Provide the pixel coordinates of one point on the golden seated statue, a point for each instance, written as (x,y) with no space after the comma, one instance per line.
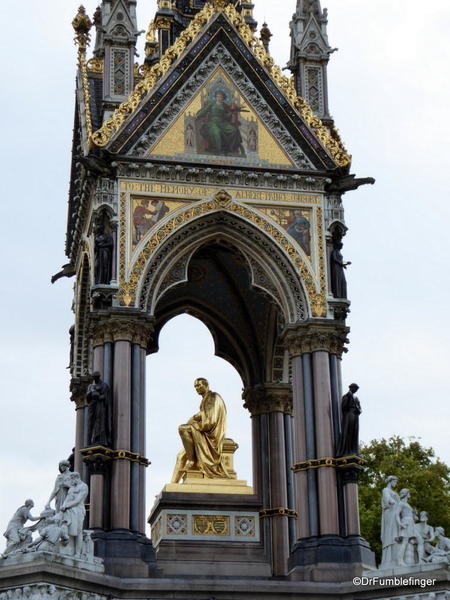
(205,464)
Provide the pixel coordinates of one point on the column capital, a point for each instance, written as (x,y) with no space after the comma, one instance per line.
(315,336)
(136,328)
(268,398)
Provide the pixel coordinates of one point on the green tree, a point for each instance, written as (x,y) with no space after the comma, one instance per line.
(417,469)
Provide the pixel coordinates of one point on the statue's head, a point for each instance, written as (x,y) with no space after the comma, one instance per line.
(29,503)
(75,478)
(439,531)
(96,375)
(392,479)
(404,493)
(64,465)
(201,385)
(424,516)
(354,387)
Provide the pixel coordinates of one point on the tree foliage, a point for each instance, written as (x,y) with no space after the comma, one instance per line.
(417,469)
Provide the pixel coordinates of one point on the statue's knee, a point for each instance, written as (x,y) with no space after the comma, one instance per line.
(184,429)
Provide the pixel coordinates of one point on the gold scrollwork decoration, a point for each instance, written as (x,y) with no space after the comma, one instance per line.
(95,65)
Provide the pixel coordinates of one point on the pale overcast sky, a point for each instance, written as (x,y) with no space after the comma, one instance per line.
(389,95)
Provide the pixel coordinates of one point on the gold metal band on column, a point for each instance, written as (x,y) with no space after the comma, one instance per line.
(339,463)
(131,456)
(277,512)
(101,452)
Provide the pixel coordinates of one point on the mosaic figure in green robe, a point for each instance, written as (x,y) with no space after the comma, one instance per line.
(220,126)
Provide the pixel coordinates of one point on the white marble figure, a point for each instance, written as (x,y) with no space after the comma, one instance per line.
(406,537)
(60,529)
(16,534)
(427,535)
(73,513)
(62,485)
(389,523)
(441,552)
(50,533)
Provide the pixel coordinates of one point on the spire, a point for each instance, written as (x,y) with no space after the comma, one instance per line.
(116,26)
(310,53)
(172,16)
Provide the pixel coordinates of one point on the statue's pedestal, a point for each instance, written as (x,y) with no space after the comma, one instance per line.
(195,482)
(208,534)
(28,559)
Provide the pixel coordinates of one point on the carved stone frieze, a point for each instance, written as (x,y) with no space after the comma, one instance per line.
(269,398)
(315,336)
(47,591)
(177,173)
(136,328)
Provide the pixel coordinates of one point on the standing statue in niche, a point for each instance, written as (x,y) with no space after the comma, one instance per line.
(351,409)
(203,436)
(103,247)
(337,268)
(98,398)
(389,524)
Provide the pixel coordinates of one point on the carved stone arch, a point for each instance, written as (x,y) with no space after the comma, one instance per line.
(337,228)
(270,270)
(103,215)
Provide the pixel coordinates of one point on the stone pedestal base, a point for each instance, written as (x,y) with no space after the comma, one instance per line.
(95,565)
(125,554)
(330,558)
(208,535)
(47,581)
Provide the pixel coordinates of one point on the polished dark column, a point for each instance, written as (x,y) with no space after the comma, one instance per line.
(270,405)
(328,545)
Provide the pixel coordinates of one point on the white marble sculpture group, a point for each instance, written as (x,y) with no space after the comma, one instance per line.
(407,538)
(60,529)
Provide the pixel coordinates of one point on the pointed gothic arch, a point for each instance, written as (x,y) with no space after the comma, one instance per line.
(230,275)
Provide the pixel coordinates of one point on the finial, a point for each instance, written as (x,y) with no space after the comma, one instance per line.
(82,26)
(264,35)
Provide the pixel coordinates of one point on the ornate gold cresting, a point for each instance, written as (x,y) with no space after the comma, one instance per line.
(82,26)
(329,139)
